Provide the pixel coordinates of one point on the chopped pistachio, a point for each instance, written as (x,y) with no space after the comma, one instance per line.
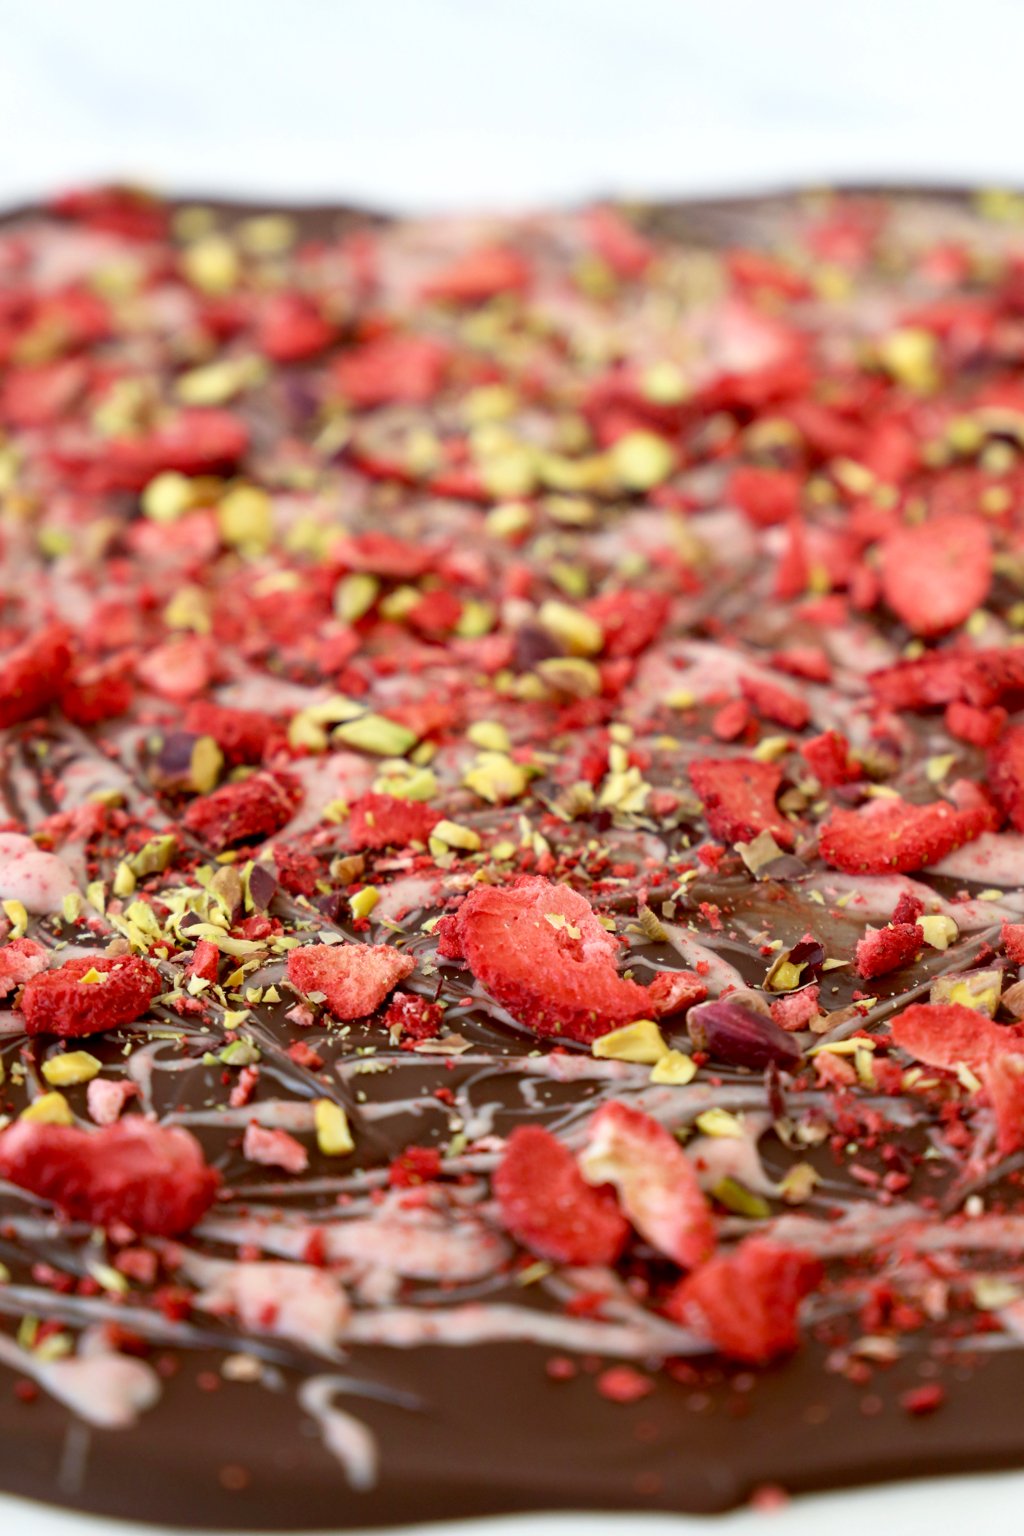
(376,734)
(641,1042)
(69,1068)
(572,675)
(364,901)
(333,1135)
(939,930)
(974,989)
(642,460)
(168,496)
(49,1109)
(17,916)
(496,778)
(245,518)
(719,1122)
(211,264)
(490,735)
(676,1068)
(740,1200)
(571,627)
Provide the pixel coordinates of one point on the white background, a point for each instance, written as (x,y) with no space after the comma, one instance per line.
(437,103)
(433,104)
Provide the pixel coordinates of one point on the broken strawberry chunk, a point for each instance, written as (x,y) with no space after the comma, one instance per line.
(774,703)
(479,275)
(978,727)
(274,1149)
(1003,1076)
(152,1178)
(86,996)
(384,821)
(655,1181)
(935,574)
(20,960)
(1006,774)
(243,735)
(828,758)
(542,953)
(747,1303)
(391,369)
(413,1018)
(547,1205)
(886,949)
(244,812)
(33,674)
(353,978)
(739,798)
(979,677)
(292,328)
(946,1034)
(631,619)
(97,691)
(890,834)
(765,496)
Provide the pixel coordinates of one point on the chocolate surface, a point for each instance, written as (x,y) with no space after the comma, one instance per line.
(232,1423)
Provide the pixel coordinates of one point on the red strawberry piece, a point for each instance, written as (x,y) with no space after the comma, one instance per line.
(655,1180)
(243,812)
(436,614)
(274,1149)
(730,722)
(205,961)
(193,442)
(414,1167)
(413,1017)
(97,691)
(541,952)
(32,675)
(1003,1077)
(807,661)
(381,554)
(1013,941)
(765,496)
(20,960)
(979,677)
(35,397)
(1006,774)
(384,821)
(390,370)
(885,949)
(60,1003)
(978,727)
(617,243)
(889,834)
(123,211)
(828,758)
(548,1206)
(935,574)
(739,798)
(179,669)
(908,909)
(673,992)
(476,276)
(795,1010)
(774,703)
(243,735)
(152,1178)
(354,978)
(945,1034)
(631,619)
(747,1303)
(292,328)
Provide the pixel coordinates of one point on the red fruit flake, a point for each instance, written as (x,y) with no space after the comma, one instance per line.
(548,1206)
(541,952)
(274,1149)
(414,1017)
(936,574)
(739,798)
(97,691)
(746,1303)
(1003,1077)
(978,727)
(384,821)
(890,834)
(885,949)
(1013,941)
(623,1384)
(945,1034)
(20,960)
(979,677)
(921,1400)
(415,1166)
(291,328)
(655,1181)
(354,978)
(151,1178)
(774,703)
(205,961)
(828,758)
(244,812)
(765,496)
(243,735)
(631,619)
(479,275)
(1006,774)
(33,674)
(60,1003)
(391,369)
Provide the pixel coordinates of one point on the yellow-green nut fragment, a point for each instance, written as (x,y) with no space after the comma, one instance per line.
(496,778)
(49,1109)
(489,735)
(212,264)
(364,901)
(355,595)
(641,1042)
(450,834)
(572,675)
(69,1068)
(376,734)
(642,460)
(674,1067)
(333,1136)
(571,627)
(167,497)
(939,931)
(245,518)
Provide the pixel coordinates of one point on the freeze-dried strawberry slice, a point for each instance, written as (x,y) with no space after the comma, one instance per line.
(655,1180)
(354,978)
(774,703)
(885,949)
(978,727)
(739,798)
(391,369)
(243,735)
(890,834)
(384,821)
(765,496)
(193,442)
(97,691)
(476,276)
(541,952)
(33,674)
(828,758)
(548,1206)
(152,1178)
(979,677)
(381,554)
(746,1303)
(1003,1077)
(1006,774)
(935,574)
(292,328)
(244,812)
(1013,941)
(20,960)
(945,1034)
(61,1002)
(630,619)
